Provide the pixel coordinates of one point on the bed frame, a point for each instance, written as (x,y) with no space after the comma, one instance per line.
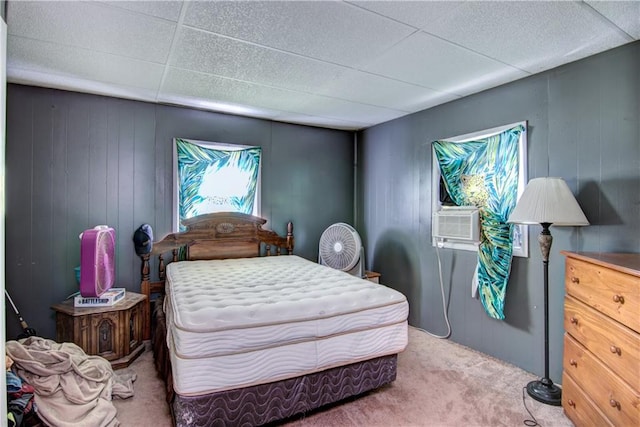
(220,235)
(235,235)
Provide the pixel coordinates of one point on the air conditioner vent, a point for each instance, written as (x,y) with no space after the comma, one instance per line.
(457,223)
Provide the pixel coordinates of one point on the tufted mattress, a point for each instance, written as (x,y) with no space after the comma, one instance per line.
(243,322)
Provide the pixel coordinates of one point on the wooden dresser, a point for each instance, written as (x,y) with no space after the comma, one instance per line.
(601,363)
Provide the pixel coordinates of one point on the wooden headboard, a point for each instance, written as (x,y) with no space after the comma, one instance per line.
(220,235)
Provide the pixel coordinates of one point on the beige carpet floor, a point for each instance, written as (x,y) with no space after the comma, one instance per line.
(440,383)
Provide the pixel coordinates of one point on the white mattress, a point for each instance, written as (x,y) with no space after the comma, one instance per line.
(292,315)
(193,377)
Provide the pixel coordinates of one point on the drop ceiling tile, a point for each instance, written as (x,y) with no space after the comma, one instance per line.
(86,65)
(92,26)
(625,14)
(332,31)
(166,9)
(323,106)
(475,83)
(418,14)
(266,102)
(209,53)
(219,106)
(333,63)
(204,86)
(530,35)
(357,86)
(321,121)
(434,63)
(75,84)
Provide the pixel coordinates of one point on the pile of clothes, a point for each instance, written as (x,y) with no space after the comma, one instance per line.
(20,398)
(63,385)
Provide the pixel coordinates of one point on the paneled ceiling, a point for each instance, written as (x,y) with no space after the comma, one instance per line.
(336,64)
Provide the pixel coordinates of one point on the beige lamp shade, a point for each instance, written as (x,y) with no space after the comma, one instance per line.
(548,200)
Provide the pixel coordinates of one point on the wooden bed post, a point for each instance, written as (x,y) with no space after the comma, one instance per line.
(160,267)
(145,290)
(144,271)
(290,238)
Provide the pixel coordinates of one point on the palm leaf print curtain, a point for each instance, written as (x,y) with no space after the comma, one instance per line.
(215,180)
(484,173)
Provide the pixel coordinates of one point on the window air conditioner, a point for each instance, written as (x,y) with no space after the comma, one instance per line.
(460,223)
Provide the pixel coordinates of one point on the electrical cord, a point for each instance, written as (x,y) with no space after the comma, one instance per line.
(444,302)
(528,422)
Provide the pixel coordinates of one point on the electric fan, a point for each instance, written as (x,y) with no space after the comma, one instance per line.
(341,248)
(97,260)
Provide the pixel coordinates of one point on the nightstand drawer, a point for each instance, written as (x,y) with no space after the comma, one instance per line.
(614,293)
(614,397)
(578,407)
(615,345)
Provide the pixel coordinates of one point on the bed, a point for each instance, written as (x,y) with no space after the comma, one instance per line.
(244,332)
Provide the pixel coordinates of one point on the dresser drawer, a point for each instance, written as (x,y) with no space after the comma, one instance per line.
(614,397)
(614,293)
(578,407)
(615,345)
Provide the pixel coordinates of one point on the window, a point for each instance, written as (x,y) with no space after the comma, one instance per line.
(214,177)
(440,196)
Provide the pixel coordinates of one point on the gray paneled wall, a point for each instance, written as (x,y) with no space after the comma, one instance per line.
(583,126)
(77,160)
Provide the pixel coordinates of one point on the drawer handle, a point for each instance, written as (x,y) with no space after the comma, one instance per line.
(574,320)
(575,279)
(618,298)
(573,362)
(614,403)
(571,403)
(615,350)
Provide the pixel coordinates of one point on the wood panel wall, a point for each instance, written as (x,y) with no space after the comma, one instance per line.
(583,126)
(76,160)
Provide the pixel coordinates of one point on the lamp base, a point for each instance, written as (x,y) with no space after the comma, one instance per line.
(545,391)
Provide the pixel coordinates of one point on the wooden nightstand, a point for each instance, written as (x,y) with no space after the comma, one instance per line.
(372,276)
(114,333)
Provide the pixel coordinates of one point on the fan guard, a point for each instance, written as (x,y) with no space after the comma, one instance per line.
(97,254)
(340,246)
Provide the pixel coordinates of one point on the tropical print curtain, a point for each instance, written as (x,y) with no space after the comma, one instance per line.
(484,173)
(215,180)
